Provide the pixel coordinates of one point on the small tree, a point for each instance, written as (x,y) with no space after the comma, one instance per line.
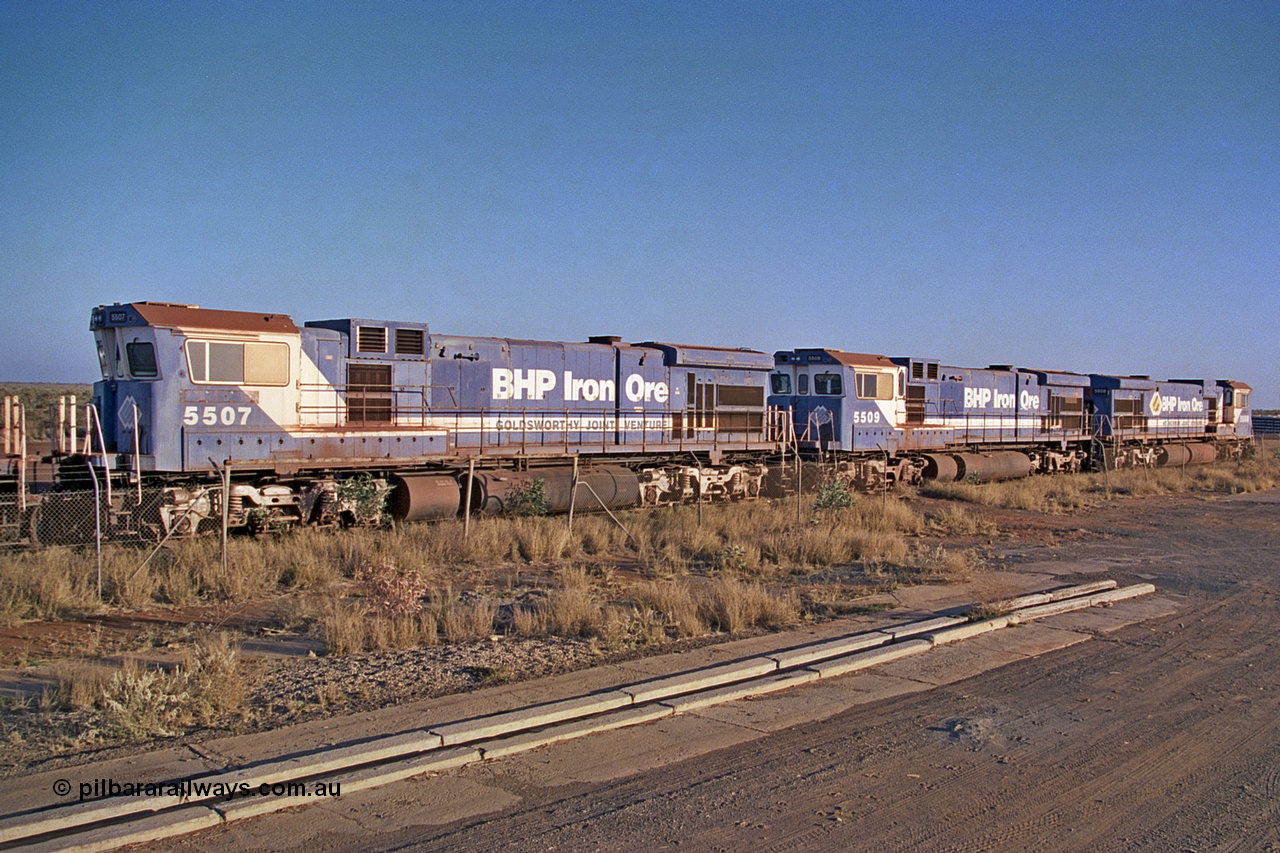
(529,501)
(392,591)
(833,495)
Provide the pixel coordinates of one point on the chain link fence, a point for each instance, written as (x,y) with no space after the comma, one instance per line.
(88,517)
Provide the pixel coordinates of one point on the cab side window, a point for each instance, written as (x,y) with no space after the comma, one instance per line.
(828,384)
(874,386)
(142,360)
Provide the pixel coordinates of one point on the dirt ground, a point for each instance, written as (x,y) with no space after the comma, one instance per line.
(289,678)
(1163,736)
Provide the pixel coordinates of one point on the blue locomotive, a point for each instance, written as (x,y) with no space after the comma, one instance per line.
(883,420)
(292,410)
(453,424)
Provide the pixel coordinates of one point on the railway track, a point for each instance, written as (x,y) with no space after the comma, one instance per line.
(109,822)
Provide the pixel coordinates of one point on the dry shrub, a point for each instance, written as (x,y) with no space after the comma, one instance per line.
(391,591)
(955,519)
(204,689)
(139,703)
(460,620)
(528,620)
(80,683)
(675,603)
(731,605)
(572,613)
(348,627)
(213,679)
(629,627)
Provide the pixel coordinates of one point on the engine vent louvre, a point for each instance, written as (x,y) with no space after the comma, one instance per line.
(371,339)
(410,342)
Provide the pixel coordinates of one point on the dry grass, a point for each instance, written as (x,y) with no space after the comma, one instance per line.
(1055,494)
(730,605)
(953,518)
(351,627)
(1069,492)
(674,604)
(462,619)
(759,538)
(758,541)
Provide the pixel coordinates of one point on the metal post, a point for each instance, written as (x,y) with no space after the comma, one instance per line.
(71,424)
(884,486)
(61,426)
(137,453)
(226,510)
(573,492)
(8,425)
(699,470)
(466,506)
(22,455)
(799,485)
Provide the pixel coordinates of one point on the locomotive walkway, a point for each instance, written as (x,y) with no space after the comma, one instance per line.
(47,812)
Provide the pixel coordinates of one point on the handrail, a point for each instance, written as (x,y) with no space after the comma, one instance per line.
(91,411)
(137,452)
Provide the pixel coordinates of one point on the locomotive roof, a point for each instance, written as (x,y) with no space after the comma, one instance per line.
(1058,377)
(1127,383)
(195,317)
(849,359)
(682,354)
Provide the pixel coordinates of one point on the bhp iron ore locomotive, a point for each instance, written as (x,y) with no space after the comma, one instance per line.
(462,424)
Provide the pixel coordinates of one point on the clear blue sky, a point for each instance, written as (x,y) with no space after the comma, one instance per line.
(1082,186)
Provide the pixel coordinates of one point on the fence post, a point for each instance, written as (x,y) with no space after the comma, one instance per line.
(573,492)
(22,457)
(60,428)
(466,507)
(226,510)
(137,452)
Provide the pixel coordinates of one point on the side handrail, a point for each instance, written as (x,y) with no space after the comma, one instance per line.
(91,413)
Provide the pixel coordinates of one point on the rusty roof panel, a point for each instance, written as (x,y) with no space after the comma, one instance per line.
(189,316)
(861,359)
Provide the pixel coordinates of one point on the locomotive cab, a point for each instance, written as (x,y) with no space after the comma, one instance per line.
(1237,416)
(216,374)
(841,401)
